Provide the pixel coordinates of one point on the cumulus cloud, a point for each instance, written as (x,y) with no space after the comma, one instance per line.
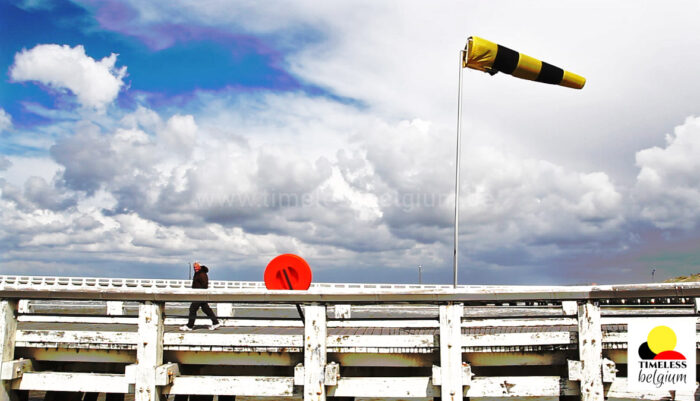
(5,120)
(668,186)
(95,83)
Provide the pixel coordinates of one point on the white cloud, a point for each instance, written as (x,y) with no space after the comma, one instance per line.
(5,120)
(95,83)
(668,185)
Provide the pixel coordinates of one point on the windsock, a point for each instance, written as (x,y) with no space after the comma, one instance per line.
(490,57)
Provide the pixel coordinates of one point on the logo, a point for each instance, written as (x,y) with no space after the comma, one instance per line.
(661,353)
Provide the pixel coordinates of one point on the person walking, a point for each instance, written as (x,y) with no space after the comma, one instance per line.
(200,280)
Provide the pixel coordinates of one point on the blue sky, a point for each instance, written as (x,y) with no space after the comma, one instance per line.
(140,136)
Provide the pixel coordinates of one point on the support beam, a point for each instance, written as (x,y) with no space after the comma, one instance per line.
(342,311)
(224,309)
(23,306)
(590,345)
(149,351)
(315,333)
(451,378)
(115,308)
(8,328)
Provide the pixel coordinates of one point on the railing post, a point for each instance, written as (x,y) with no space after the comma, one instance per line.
(149,351)
(115,308)
(315,333)
(451,351)
(590,348)
(8,328)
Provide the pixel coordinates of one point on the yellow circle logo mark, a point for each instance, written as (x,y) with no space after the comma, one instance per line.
(661,338)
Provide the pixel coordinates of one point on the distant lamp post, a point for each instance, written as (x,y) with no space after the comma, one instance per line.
(420,274)
(482,55)
(652,274)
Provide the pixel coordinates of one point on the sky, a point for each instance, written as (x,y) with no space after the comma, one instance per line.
(137,137)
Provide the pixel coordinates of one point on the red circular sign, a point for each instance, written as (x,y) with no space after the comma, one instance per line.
(288,272)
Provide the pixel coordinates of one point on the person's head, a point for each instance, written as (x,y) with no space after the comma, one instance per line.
(197,266)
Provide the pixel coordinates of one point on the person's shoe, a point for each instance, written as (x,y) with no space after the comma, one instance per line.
(214,326)
(185,328)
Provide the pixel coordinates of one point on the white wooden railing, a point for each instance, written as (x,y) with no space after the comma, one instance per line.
(419,343)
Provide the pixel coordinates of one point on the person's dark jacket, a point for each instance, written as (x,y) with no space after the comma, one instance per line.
(200,279)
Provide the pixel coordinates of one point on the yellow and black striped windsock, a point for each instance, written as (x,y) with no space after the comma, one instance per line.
(490,57)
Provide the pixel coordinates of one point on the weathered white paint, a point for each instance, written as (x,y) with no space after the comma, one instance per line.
(257,386)
(8,329)
(514,399)
(590,345)
(385,323)
(569,307)
(78,319)
(451,351)
(233,340)
(248,398)
(342,311)
(331,374)
(14,369)
(396,387)
(224,309)
(166,373)
(554,321)
(697,305)
(609,371)
(149,351)
(69,381)
(513,339)
(315,333)
(382,341)
(520,386)
(77,337)
(115,308)
(23,306)
(394,399)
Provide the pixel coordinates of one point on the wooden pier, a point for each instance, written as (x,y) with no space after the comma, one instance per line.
(80,338)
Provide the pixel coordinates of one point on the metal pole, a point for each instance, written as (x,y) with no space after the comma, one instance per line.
(459,151)
(420,277)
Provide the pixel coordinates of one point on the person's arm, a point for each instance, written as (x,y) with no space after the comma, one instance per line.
(205,280)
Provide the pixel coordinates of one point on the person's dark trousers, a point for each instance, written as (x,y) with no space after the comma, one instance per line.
(205,308)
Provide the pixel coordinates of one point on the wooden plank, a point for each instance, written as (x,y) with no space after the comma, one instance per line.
(382,341)
(590,352)
(520,386)
(78,319)
(233,340)
(514,399)
(517,322)
(224,309)
(451,351)
(149,352)
(8,329)
(315,333)
(115,308)
(373,387)
(514,339)
(71,381)
(252,386)
(69,336)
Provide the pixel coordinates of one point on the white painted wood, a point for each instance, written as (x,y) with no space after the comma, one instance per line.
(385,323)
(466,374)
(13,369)
(575,370)
(451,351)
(380,387)
(609,371)
(233,340)
(619,390)
(569,307)
(514,399)
(81,337)
(315,333)
(513,339)
(342,311)
(555,321)
(331,374)
(252,386)
(115,308)
(77,319)
(248,398)
(149,351)
(590,352)
(299,374)
(224,309)
(520,386)
(697,305)
(69,381)
(23,306)
(382,341)
(394,399)
(166,373)
(8,329)
(437,376)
